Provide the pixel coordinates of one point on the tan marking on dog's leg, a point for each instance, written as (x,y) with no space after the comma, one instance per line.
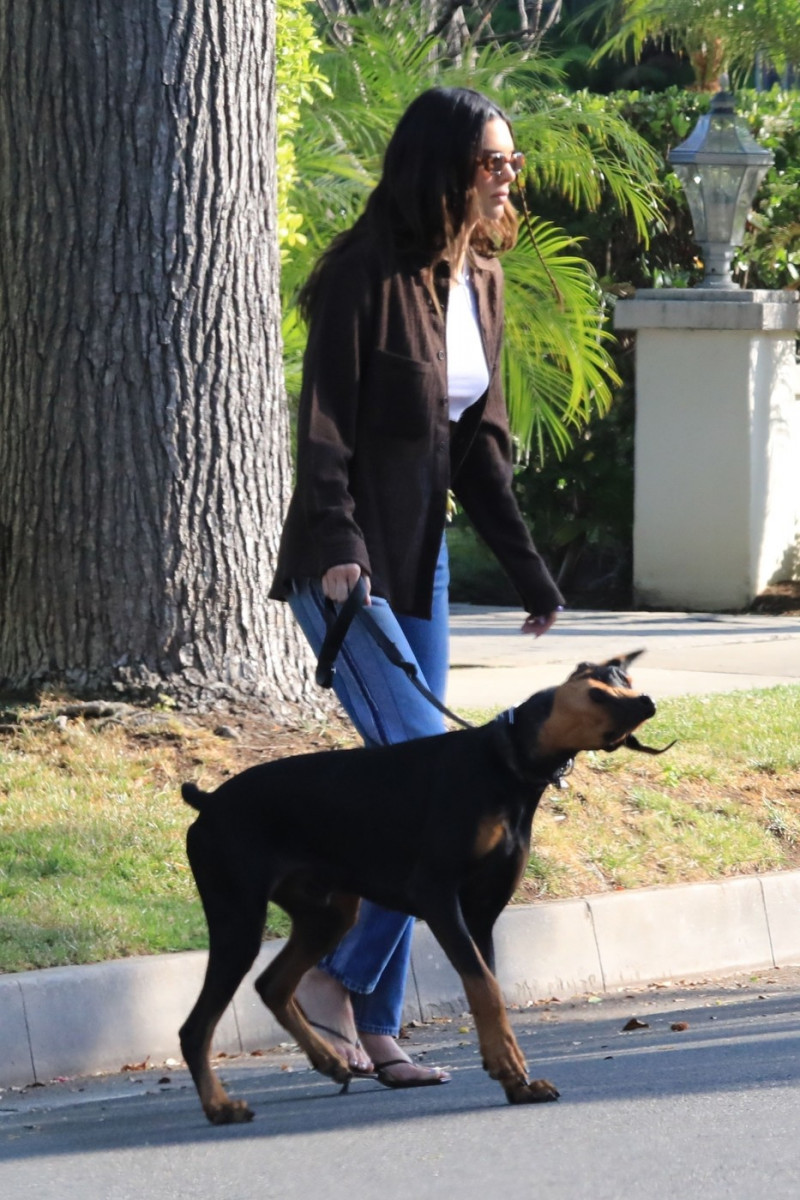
(312,937)
(196,1037)
(501,1054)
(219,1108)
(502,1057)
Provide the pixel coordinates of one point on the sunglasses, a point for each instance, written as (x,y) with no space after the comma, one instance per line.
(493,162)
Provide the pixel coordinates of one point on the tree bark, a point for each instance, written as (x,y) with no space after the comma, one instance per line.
(144,460)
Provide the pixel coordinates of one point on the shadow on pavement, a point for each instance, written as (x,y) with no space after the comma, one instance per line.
(731,1042)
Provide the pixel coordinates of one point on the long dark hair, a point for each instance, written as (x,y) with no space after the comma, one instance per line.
(421,202)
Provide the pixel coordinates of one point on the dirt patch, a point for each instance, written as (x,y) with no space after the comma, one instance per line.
(224,742)
(779,600)
(257,738)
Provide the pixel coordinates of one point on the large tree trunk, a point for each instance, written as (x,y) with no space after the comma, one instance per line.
(144,462)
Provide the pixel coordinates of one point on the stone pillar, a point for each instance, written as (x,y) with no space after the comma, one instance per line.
(717,448)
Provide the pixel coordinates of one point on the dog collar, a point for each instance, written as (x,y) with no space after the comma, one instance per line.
(556,777)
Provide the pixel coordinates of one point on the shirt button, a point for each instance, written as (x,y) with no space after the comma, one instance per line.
(440,354)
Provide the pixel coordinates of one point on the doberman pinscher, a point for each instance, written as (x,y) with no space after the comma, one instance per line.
(310,833)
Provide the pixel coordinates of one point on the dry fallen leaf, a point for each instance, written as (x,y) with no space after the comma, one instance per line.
(679,1026)
(634,1023)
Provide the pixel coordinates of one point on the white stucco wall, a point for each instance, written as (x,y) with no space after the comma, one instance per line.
(717,451)
(775,464)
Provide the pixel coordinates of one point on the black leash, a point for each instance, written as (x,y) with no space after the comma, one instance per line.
(338,625)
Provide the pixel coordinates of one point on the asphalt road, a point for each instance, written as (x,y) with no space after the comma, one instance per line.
(656,1112)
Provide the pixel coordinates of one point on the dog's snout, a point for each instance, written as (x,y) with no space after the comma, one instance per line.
(648,706)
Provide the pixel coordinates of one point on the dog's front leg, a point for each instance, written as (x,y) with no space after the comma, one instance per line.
(502,1057)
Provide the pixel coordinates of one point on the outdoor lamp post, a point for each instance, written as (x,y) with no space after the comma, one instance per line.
(720,167)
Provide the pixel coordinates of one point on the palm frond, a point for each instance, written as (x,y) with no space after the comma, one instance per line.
(742,30)
(557,368)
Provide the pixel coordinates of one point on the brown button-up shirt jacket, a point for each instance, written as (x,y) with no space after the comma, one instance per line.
(377,452)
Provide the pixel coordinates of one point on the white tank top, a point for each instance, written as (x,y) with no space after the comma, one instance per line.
(467,370)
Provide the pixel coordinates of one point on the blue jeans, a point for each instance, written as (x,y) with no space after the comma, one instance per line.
(372,960)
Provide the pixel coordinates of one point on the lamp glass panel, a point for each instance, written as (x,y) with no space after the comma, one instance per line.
(747,189)
(692,184)
(723,136)
(721,190)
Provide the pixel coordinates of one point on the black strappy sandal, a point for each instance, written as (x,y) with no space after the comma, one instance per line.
(361,1072)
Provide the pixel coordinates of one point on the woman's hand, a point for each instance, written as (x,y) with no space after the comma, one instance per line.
(338,582)
(539,625)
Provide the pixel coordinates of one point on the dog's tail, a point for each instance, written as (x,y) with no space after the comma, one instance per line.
(193,795)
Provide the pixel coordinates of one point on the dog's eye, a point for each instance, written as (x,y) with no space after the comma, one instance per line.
(599,695)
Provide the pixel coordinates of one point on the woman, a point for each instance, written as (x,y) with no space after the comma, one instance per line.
(401,401)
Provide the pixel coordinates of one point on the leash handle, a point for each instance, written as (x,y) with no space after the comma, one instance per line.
(338,625)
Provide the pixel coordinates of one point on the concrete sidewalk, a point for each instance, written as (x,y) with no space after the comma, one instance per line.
(494,666)
(77,1020)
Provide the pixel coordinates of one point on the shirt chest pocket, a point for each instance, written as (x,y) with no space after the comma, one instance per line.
(399,395)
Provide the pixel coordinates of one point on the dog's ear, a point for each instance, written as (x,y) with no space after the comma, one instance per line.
(624,660)
(620,663)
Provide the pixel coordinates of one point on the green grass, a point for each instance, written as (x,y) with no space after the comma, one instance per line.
(92,827)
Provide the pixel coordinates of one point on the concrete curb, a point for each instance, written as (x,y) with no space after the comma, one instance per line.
(80,1020)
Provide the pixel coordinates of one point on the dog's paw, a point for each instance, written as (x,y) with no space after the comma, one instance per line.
(537,1091)
(233,1112)
(334,1067)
